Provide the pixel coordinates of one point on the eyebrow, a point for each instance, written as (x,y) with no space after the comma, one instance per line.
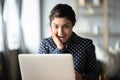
(62,25)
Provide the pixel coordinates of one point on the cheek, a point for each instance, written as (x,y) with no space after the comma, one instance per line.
(68,31)
(54,30)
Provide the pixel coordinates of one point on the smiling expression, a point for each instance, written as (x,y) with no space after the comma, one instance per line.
(62,28)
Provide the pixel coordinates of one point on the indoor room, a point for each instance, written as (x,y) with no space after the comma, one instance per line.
(25,23)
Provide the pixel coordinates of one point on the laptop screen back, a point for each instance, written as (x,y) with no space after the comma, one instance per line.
(46,66)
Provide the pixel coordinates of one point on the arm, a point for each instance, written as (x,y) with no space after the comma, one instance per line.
(78,76)
(43,47)
(46,46)
(92,73)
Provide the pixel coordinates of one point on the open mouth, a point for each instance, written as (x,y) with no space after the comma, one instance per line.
(61,37)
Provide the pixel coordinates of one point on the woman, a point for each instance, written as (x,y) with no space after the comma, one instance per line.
(64,40)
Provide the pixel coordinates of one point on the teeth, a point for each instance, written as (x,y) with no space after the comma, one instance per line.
(61,37)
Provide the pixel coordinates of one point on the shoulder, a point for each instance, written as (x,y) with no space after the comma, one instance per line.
(78,39)
(47,40)
(84,40)
(87,44)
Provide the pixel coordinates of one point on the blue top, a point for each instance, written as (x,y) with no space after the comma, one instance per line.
(82,50)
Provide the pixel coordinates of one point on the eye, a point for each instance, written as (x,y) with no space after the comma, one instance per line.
(55,26)
(66,26)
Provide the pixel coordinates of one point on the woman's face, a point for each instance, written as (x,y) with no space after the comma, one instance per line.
(62,28)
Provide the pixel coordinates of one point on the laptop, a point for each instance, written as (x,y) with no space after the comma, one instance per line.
(46,66)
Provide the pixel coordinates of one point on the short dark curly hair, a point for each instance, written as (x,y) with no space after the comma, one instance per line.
(63,10)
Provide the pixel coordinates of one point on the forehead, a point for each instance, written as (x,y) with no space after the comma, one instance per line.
(62,20)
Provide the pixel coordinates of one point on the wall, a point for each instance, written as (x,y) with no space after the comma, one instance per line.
(114,21)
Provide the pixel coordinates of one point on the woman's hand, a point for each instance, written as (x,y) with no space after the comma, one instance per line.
(78,76)
(58,43)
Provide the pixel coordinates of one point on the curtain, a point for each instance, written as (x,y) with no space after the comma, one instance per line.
(19,33)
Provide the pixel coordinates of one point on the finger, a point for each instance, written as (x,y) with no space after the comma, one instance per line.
(78,76)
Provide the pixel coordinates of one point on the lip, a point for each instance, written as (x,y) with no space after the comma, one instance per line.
(62,38)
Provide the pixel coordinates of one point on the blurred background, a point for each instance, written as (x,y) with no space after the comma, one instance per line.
(24,23)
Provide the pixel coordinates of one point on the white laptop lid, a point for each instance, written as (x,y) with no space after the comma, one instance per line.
(46,66)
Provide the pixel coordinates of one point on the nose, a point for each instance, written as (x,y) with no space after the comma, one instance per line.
(60,32)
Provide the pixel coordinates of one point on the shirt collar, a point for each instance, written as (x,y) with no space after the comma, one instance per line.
(73,37)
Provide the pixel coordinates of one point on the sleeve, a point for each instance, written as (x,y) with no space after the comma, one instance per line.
(92,73)
(59,51)
(43,47)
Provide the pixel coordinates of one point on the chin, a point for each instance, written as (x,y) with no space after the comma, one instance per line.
(64,41)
